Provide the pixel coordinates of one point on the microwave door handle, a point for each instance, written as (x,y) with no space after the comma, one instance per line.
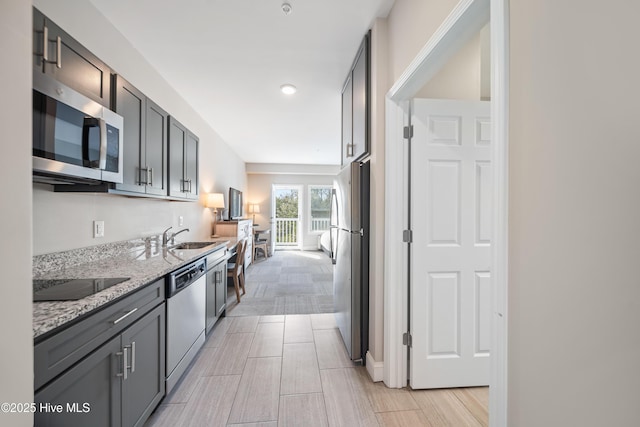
(103,145)
(88,161)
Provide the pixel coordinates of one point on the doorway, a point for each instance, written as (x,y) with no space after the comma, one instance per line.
(287,207)
(467,17)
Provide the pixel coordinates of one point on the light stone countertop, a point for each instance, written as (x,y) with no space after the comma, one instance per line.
(144,264)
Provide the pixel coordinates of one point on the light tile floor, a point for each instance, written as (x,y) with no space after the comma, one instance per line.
(271,363)
(293,371)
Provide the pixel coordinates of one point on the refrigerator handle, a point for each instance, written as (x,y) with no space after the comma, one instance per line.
(334,202)
(332,226)
(334,254)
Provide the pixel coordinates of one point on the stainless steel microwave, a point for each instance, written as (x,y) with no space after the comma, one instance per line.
(75,139)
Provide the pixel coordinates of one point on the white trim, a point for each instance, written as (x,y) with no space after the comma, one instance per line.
(498,400)
(375,369)
(468,15)
(395,251)
(464,22)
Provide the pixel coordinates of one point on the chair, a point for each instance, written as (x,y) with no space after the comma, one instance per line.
(259,244)
(236,269)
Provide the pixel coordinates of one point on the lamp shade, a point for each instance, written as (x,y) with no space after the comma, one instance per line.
(254,208)
(215,200)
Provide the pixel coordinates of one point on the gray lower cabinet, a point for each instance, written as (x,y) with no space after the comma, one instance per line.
(144,386)
(114,383)
(144,139)
(216,287)
(183,162)
(92,381)
(59,55)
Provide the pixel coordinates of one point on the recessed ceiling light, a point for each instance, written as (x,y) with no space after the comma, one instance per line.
(288,89)
(286,8)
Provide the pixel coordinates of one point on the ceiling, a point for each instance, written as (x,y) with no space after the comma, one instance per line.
(228,59)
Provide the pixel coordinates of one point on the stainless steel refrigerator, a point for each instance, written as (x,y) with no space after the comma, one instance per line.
(350,255)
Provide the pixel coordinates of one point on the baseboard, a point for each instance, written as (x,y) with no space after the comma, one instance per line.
(375,369)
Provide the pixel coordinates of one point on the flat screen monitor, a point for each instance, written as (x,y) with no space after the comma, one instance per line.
(235,203)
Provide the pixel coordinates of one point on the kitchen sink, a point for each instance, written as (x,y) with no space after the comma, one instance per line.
(192,245)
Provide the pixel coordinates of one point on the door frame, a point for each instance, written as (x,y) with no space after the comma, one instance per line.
(274,221)
(466,19)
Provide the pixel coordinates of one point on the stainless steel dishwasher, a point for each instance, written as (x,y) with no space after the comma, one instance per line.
(186,297)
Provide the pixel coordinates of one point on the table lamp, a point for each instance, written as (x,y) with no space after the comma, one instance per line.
(254,209)
(215,201)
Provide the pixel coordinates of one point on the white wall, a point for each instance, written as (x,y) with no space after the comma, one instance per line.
(411,23)
(574,293)
(64,221)
(259,191)
(16,357)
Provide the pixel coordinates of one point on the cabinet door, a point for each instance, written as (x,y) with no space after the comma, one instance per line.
(130,104)
(38,41)
(347,122)
(191,166)
(360,103)
(177,142)
(73,65)
(211,312)
(156,148)
(221,288)
(145,384)
(89,393)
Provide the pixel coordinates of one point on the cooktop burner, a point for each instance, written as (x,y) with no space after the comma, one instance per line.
(71,289)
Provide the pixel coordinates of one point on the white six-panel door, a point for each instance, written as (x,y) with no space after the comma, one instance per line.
(451,202)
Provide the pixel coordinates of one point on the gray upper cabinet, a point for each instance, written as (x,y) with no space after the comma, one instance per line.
(355,107)
(347,122)
(58,54)
(156,148)
(183,162)
(144,139)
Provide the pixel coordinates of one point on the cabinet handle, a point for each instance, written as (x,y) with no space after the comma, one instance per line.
(151,178)
(124,355)
(146,174)
(120,319)
(45,51)
(59,52)
(189,181)
(133,357)
(350,150)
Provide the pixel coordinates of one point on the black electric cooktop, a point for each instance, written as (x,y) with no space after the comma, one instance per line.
(71,289)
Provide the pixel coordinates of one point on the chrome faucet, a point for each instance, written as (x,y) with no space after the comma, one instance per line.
(166,237)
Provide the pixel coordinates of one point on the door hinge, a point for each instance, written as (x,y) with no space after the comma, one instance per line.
(408,132)
(407,236)
(406,339)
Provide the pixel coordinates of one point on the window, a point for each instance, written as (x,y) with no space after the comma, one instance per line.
(320,208)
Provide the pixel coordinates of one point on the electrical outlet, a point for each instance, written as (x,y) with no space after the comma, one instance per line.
(98,229)
(180,221)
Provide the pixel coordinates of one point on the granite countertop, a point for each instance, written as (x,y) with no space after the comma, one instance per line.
(143,261)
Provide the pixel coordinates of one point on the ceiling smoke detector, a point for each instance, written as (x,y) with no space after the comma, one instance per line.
(286,8)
